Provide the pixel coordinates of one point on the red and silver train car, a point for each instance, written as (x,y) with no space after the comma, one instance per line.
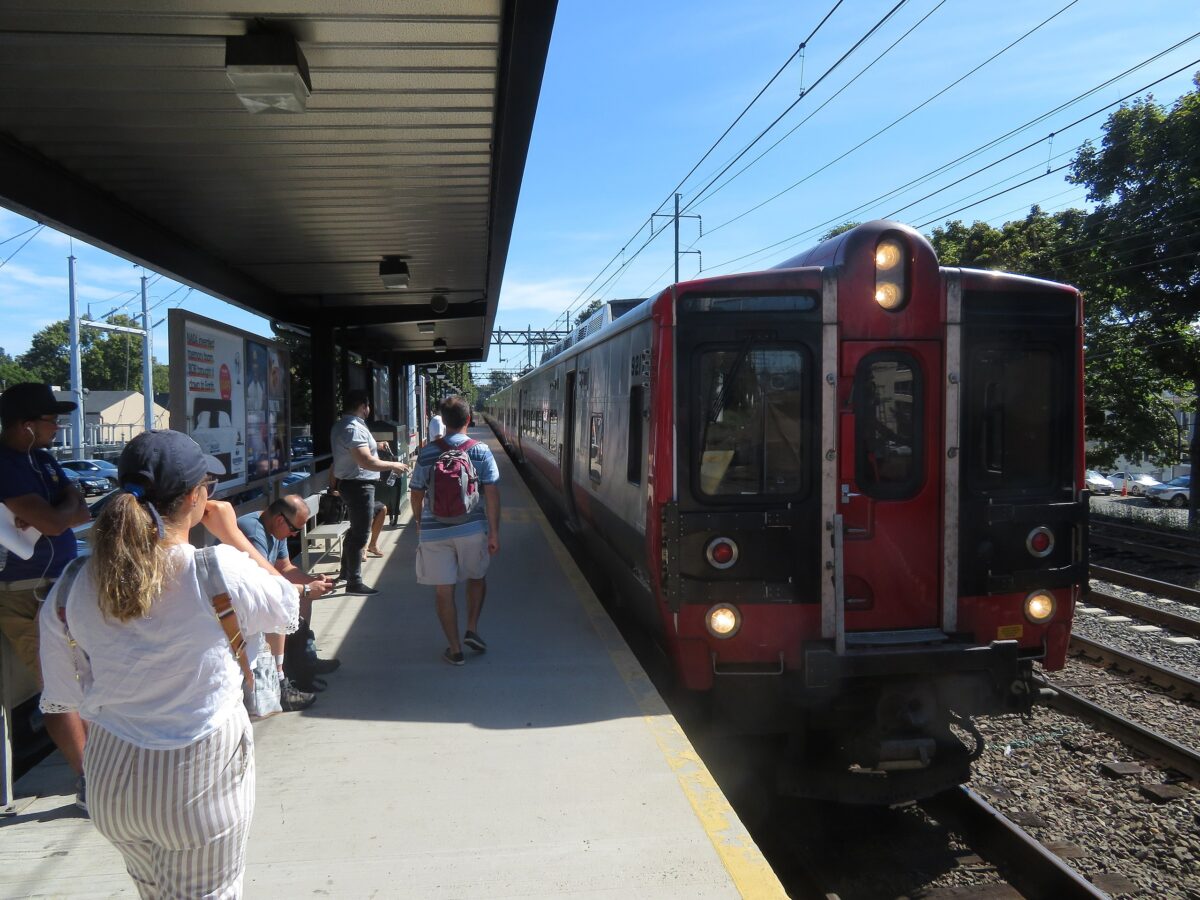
(844,493)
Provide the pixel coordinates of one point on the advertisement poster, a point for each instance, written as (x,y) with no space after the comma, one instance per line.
(277,411)
(258,447)
(215,397)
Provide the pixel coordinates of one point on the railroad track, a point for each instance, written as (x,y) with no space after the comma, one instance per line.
(1173,547)
(1178,684)
(1029,866)
(1168,753)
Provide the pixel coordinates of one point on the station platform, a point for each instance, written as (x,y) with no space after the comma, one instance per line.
(547,767)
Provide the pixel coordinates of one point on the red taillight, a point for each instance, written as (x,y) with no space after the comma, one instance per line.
(722,553)
(1040,542)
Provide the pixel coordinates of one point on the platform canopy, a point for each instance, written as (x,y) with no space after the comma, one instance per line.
(128,124)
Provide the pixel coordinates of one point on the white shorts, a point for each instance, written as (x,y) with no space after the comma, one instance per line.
(451,560)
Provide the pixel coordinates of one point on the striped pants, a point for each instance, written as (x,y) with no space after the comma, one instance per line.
(179,817)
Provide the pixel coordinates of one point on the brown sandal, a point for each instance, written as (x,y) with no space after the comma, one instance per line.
(374,553)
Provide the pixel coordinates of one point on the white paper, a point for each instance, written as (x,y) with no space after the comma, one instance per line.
(17,540)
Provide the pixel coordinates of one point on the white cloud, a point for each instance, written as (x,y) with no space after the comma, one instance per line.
(551,296)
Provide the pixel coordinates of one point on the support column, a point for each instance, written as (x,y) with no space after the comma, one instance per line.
(324,377)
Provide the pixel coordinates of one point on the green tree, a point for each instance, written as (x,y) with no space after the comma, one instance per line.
(583,314)
(12,372)
(110,361)
(1144,178)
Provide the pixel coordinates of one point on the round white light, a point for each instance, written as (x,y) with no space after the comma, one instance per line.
(888,295)
(723,620)
(1039,606)
(887,255)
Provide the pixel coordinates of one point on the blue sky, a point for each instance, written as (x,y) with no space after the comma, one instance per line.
(635,93)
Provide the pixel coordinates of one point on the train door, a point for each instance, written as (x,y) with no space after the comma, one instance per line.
(889,484)
(567,447)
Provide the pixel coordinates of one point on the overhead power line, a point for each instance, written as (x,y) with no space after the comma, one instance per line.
(566,313)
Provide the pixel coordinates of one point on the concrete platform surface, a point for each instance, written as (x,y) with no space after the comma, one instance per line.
(547,767)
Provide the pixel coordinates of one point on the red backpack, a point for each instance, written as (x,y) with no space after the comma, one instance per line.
(453,485)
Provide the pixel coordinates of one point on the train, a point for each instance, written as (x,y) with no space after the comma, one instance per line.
(843,494)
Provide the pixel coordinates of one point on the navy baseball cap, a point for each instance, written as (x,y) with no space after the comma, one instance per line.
(170,462)
(30,400)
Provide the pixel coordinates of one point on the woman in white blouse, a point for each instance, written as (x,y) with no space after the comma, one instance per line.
(136,647)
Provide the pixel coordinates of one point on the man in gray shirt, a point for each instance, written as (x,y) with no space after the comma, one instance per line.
(356,466)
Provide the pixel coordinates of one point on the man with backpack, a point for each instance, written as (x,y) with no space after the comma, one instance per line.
(454,485)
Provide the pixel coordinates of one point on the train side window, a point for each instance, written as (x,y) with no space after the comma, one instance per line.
(889,413)
(633,467)
(553,439)
(596,454)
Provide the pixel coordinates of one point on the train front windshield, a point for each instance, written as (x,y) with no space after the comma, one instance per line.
(750,414)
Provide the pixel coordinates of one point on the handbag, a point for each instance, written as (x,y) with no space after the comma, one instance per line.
(331,509)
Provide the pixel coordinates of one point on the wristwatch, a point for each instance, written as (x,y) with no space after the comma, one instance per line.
(304,592)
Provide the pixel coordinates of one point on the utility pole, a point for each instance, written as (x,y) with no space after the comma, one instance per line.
(675,219)
(147,361)
(77,441)
(676,281)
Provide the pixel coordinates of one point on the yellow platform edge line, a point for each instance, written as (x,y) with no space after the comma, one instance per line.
(747,867)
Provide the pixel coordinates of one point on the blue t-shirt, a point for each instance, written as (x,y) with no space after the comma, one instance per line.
(37,472)
(485,468)
(271,547)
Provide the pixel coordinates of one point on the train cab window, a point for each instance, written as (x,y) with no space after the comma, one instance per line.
(888,416)
(596,453)
(1012,414)
(751,414)
(633,466)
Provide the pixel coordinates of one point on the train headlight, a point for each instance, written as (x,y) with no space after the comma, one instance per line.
(887,255)
(721,553)
(1040,542)
(891,274)
(723,620)
(1039,607)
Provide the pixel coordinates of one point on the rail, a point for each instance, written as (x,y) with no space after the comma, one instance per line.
(1031,868)
(1180,684)
(1167,752)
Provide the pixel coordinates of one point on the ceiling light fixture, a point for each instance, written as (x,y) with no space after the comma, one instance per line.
(425,327)
(439,345)
(268,71)
(393,271)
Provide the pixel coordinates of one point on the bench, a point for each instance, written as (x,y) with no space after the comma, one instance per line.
(329,536)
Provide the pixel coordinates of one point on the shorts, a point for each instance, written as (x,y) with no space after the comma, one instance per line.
(451,560)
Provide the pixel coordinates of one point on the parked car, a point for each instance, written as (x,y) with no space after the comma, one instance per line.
(92,467)
(1097,483)
(1133,484)
(1175,493)
(89,483)
(302,447)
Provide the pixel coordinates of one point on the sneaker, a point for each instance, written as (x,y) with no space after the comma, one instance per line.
(292,699)
(357,587)
(455,659)
(475,642)
(316,665)
(308,683)
(81,794)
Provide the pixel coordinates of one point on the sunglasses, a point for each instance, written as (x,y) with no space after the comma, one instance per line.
(292,528)
(52,420)
(209,484)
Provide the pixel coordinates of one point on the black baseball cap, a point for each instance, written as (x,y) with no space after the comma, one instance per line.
(30,400)
(169,461)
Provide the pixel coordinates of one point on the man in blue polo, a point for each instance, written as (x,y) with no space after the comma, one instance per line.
(40,497)
(450,553)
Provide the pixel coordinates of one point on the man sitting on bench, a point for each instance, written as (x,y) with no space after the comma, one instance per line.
(295,654)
